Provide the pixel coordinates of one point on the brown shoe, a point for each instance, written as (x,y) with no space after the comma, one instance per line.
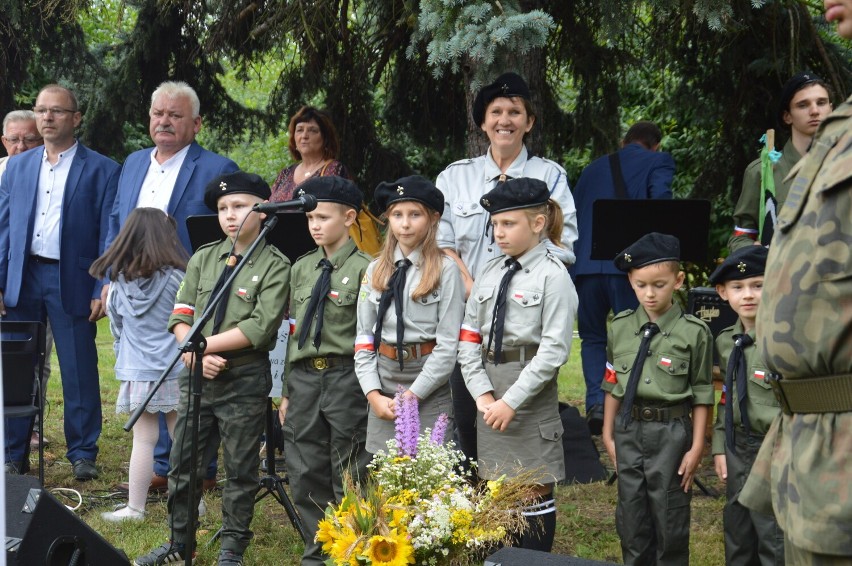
(208,485)
(159,484)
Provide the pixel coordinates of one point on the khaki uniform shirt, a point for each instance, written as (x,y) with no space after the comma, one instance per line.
(257,296)
(805,328)
(679,366)
(747,211)
(541,305)
(437,316)
(338,327)
(761,404)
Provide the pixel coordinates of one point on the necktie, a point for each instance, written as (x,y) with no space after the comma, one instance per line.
(498,318)
(649,329)
(230,263)
(395,290)
(736,367)
(316,306)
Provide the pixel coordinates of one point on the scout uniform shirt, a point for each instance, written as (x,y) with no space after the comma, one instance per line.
(338,326)
(463,223)
(257,296)
(678,369)
(761,405)
(804,326)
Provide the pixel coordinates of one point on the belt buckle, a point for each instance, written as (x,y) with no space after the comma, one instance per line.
(406,352)
(319,363)
(227,366)
(646,414)
(489,356)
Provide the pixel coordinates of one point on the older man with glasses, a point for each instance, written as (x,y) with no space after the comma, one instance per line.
(19,134)
(54,215)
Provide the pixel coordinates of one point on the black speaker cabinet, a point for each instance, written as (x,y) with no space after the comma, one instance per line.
(53,535)
(706,304)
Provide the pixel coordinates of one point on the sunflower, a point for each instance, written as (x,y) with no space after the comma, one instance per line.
(391,550)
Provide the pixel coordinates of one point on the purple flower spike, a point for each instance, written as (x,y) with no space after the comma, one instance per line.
(439,430)
(407,424)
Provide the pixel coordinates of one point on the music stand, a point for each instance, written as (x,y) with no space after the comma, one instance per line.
(291,236)
(617,223)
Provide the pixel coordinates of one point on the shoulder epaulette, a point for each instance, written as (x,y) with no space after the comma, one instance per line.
(365,255)
(275,251)
(208,245)
(624,313)
(461,162)
(695,320)
(306,254)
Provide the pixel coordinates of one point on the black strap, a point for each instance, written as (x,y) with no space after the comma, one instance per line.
(649,329)
(736,367)
(396,293)
(617,176)
(498,317)
(316,306)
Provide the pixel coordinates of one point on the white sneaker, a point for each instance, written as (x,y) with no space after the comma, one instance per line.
(126,513)
(202,508)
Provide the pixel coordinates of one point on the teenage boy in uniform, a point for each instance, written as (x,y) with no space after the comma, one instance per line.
(745,411)
(658,371)
(325,410)
(235,365)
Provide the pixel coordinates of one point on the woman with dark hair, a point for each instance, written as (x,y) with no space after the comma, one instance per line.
(315,146)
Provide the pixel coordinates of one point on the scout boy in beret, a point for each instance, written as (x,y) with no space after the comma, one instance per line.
(745,411)
(658,393)
(235,365)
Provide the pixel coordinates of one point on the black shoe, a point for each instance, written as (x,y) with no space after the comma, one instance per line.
(166,553)
(85,470)
(230,558)
(17,468)
(594,418)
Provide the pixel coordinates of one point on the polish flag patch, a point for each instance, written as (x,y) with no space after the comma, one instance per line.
(758,374)
(518,295)
(292,322)
(241,292)
(334,294)
(665,361)
(609,374)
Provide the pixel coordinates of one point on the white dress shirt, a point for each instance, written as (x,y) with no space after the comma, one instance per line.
(160,180)
(48,213)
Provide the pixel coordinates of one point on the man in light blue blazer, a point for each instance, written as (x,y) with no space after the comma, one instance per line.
(170,176)
(54,216)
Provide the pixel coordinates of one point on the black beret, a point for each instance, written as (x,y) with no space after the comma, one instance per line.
(650,248)
(233,183)
(415,187)
(333,189)
(792,86)
(522,192)
(507,85)
(749,261)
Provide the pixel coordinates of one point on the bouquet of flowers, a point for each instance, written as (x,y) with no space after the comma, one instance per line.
(419,507)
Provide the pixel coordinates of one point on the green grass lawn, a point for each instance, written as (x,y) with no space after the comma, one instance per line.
(586,519)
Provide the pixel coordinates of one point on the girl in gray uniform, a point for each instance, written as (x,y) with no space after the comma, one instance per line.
(410,308)
(515,337)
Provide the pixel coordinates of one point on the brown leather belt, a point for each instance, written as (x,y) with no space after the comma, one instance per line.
(409,351)
(522,354)
(323,363)
(827,394)
(245,359)
(660,414)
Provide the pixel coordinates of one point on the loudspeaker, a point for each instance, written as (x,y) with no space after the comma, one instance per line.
(510,556)
(706,304)
(54,536)
(582,460)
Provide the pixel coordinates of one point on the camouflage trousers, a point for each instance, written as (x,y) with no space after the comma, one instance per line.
(796,556)
(233,409)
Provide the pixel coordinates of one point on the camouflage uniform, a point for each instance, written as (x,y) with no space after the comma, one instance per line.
(804,468)
(751,537)
(652,517)
(747,211)
(233,405)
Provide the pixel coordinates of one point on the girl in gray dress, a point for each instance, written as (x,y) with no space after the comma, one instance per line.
(515,337)
(410,308)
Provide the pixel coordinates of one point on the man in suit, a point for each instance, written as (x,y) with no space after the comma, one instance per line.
(645,173)
(170,176)
(54,215)
(19,134)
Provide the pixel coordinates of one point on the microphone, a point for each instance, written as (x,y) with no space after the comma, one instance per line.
(305,202)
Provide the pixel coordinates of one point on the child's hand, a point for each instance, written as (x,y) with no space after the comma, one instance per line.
(382,407)
(688,466)
(609,444)
(721,464)
(282,409)
(484,401)
(212,365)
(499,415)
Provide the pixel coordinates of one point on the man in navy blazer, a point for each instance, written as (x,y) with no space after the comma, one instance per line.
(170,176)
(647,174)
(54,216)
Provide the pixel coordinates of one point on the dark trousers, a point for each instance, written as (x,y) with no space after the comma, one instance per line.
(464,412)
(598,295)
(751,538)
(74,338)
(164,448)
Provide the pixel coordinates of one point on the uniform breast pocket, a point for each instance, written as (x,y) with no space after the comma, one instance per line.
(671,373)
(242,301)
(759,389)
(425,309)
(526,306)
(622,364)
(466,209)
(340,308)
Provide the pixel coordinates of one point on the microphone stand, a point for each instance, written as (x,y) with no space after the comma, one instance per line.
(195,343)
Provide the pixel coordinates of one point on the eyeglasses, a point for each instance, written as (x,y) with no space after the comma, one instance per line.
(26,141)
(56,111)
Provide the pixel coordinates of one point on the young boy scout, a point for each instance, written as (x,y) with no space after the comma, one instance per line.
(235,365)
(658,370)
(745,412)
(326,413)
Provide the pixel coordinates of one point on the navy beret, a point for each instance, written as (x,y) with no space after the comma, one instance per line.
(791,87)
(508,85)
(650,248)
(413,188)
(749,261)
(522,192)
(333,189)
(233,183)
